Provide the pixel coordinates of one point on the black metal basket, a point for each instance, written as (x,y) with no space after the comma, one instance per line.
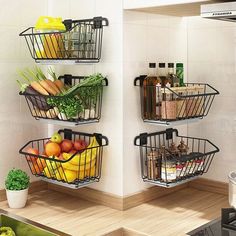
(80,169)
(165,164)
(165,105)
(81,42)
(90,106)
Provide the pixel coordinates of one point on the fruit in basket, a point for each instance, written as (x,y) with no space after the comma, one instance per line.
(52,149)
(34,151)
(66,145)
(91,172)
(51,167)
(59,174)
(38,166)
(80,144)
(69,166)
(56,138)
(71,176)
(86,156)
(73,151)
(6,231)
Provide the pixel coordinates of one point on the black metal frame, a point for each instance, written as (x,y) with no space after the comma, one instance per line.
(164,105)
(87,172)
(86,47)
(193,163)
(40,109)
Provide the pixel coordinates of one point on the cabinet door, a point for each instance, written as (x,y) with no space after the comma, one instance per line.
(134,4)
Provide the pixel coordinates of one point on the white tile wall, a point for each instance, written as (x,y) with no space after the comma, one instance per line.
(16,125)
(211,59)
(147,38)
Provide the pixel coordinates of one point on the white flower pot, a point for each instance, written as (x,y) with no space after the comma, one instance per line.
(17,198)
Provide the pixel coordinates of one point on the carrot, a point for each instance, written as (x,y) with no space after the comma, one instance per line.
(50,83)
(59,84)
(39,88)
(47,87)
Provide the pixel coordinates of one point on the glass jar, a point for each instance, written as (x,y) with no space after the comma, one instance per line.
(183,148)
(153,165)
(168,166)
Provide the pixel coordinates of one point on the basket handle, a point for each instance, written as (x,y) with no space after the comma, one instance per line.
(100,138)
(143,139)
(105,82)
(140,79)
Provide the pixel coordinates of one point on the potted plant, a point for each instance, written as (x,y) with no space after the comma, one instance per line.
(17,185)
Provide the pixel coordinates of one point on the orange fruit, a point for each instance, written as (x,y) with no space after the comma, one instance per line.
(52,149)
(41,163)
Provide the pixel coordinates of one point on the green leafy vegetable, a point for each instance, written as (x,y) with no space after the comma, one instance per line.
(70,106)
(17,180)
(92,80)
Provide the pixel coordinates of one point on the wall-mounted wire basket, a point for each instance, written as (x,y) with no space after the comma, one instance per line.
(81,42)
(168,159)
(80,169)
(165,105)
(56,109)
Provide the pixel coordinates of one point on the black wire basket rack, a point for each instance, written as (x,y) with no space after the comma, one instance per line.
(168,159)
(166,105)
(57,109)
(81,42)
(75,169)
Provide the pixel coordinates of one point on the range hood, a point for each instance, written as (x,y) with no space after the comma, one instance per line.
(219,11)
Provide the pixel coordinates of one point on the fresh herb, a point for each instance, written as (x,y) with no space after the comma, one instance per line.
(92,80)
(17,180)
(70,106)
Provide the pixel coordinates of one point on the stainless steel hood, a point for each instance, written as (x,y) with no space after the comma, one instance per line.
(219,11)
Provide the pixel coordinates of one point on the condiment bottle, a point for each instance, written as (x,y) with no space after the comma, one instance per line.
(153,165)
(149,93)
(170,76)
(183,148)
(180,73)
(174,150)
(168,167)
(162,73)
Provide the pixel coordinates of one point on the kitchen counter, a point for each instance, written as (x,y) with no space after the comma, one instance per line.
(172,215)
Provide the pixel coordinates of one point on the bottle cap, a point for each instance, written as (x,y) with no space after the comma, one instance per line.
(162,65)
(152,65)
(179,65)
(170,65)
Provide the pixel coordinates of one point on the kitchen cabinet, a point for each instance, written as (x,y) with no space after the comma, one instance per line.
(167,7)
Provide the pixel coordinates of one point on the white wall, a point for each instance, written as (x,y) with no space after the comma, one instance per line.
(212,59)
(16,125)
(147,38)
(111,66)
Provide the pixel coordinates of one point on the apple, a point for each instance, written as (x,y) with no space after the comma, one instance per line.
(56,138)
(73,151)
(79,144)
(34,151)
(66,145)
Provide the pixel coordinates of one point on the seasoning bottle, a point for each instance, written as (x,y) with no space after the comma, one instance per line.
(183,148)
(153,165)
(170,75)
(168,166)
(173,150)
(149,93)
(162,73)
(168,105)
(180,73)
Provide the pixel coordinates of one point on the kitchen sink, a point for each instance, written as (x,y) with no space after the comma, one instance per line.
(24,227)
